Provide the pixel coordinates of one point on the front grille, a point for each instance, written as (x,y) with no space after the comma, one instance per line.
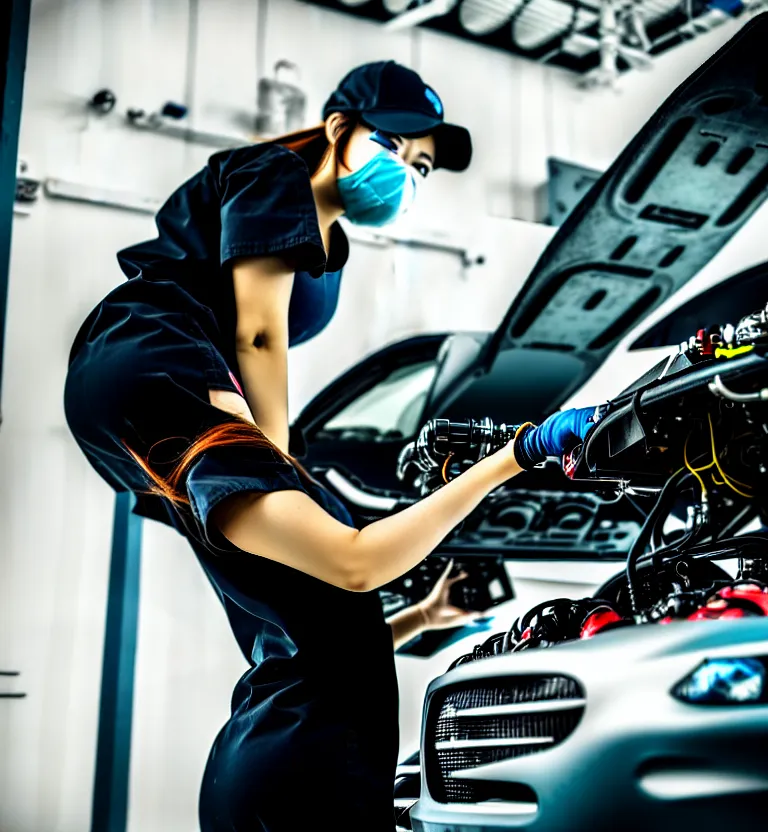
(476,724)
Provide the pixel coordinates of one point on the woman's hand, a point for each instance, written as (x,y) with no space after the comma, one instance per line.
(556,435)
(437,610)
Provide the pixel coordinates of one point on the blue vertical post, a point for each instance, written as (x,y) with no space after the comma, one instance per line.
(14,33)
(113,751)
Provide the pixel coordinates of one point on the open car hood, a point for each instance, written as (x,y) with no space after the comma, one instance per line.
(677,193)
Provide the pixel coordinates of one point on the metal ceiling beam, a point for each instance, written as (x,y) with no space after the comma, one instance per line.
(538,30)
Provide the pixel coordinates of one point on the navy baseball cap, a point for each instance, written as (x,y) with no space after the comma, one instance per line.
(392,98)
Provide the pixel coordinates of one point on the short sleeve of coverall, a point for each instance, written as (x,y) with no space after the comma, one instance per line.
(267,207)
(224,471)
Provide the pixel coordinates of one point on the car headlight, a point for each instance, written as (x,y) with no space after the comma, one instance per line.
(724,682)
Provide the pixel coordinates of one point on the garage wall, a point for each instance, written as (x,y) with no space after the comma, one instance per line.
(55,514)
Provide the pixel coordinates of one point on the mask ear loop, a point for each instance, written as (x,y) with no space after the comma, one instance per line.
(382,140)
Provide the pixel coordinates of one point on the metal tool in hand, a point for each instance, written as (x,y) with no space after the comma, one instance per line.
(445,448)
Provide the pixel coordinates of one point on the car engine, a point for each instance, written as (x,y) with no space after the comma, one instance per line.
(687,444)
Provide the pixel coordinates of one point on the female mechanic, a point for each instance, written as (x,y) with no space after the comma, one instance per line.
(177,392)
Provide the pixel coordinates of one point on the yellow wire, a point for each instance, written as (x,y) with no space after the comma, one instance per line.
(694,471)
(714,455)
(717,464)
(704,468)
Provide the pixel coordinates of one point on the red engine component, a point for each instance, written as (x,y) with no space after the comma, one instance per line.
(704,342)
(569,462)
(747,592)
(744,599)
(597,621)
(738,601)
(711,612)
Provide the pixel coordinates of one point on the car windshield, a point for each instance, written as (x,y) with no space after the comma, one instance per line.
(393,406)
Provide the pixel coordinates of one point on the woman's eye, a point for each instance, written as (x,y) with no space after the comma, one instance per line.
(394,144)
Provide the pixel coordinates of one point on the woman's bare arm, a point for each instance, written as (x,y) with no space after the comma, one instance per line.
(407,624)
(291,528)
(262,295)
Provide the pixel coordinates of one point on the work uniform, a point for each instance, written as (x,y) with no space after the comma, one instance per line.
(313,735)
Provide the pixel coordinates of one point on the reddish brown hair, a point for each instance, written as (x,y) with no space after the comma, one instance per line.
(237,432)
(313,145)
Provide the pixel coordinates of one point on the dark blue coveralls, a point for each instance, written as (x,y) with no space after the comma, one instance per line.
(312,740)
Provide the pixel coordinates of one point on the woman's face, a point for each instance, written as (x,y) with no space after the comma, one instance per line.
(364,144)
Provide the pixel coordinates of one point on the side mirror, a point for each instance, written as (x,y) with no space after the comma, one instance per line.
(297,444)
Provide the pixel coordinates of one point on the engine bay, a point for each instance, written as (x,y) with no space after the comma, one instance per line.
(687,446)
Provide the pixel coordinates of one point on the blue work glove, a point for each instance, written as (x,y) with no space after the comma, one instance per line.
(556,435)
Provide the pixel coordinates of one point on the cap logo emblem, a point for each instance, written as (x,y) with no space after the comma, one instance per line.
(431,96)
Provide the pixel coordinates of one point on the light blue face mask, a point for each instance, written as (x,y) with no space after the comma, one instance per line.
(378,192)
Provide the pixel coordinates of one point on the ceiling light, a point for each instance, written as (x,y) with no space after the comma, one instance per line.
(540,22)
(575,35)
(481,17)
(654,10)
(426,10)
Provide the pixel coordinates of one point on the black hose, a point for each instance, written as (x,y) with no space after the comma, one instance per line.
(657,554)
(526,620)
(727,548)
(641,541)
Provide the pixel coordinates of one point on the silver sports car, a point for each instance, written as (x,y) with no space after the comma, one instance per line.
(648,728)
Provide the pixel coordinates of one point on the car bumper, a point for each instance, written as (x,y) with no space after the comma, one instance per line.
(638,758)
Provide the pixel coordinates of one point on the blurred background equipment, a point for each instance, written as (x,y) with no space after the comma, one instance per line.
(27,186)
(281,103)
(103,102)
(597,39)
(170,121)
(11,694)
